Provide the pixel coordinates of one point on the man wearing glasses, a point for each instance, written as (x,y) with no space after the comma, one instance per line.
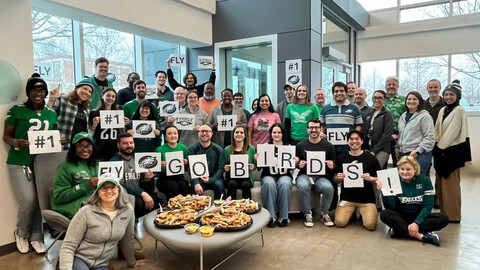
(321,184)
(216,163)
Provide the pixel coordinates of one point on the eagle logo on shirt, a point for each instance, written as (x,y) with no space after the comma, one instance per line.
(300,117)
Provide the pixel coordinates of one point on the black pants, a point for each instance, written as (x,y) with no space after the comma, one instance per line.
(171,186)
(399,222)
(140,210)
(242,183)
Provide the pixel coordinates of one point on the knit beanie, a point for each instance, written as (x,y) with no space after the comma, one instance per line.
(84,81)
(454,87)
(35,81)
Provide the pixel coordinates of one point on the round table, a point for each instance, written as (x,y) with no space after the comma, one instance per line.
(178,238)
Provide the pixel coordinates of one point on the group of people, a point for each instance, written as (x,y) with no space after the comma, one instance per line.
(396,125)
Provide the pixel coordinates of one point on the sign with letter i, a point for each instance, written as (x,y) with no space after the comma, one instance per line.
(44,141)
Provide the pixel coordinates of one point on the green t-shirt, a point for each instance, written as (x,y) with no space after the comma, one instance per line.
(396,106)
(166,149)
(299,116)
(130,107)
(24,120)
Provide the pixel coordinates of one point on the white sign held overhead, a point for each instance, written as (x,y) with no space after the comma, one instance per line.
(205,62)
(174,163)
(44,141)
(226,122)
(390,182)
(45,70)
(293,66)
(353,173)
(178,60)
(111,119)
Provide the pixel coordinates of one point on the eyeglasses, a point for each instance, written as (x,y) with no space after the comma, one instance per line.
(144,109)
(313,128)
(84,146)
(204,131)
(111,188)
(378,98)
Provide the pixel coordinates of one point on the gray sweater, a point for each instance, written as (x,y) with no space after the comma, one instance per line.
(92,237)
(190,137)
(416,134)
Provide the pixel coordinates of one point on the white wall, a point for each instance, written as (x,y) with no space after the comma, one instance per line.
(184,22)
(474,133)
(16,48)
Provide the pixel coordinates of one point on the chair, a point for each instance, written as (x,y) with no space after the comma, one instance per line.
(44,169)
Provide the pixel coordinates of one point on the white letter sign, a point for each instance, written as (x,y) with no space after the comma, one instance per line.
(115,167)
(178,60)
(337,136)
(111,119)
(174,162)
(390,182)
(286,153)
(353,173)
(266,155)
(239,166)
(226,122)
(44,141)
(198,166)
(316,162)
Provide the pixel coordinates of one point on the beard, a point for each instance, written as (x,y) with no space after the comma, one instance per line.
(126,152)
(208,97)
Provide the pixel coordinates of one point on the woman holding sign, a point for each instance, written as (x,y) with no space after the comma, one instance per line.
(32,115)
(105,139)
(172,185)
(416,132)
(409,214)
(239,146)
(277,182)
(261,121)
(298,114)
(145,111)
(451,151)
(190,137)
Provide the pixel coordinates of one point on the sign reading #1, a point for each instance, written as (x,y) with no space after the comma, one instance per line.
(111,119)
(226,122)
(44,141)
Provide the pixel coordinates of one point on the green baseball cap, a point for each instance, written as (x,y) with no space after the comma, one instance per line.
(82,135)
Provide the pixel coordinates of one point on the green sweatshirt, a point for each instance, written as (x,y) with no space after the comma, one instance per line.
(417,197)
(215,159)
(71,186)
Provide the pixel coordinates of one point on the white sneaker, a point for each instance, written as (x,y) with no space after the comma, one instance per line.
(326,220)
(308,220)
(22,244)
(38,246)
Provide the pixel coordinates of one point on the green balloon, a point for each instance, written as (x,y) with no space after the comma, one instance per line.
(10,84)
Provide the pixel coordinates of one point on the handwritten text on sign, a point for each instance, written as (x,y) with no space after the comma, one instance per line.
(44,141)
(353,173)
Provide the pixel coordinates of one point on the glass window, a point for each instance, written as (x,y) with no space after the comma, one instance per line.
(424,13)
(249,71)
(53,50)
(374,75)
(416,72)
(369,5)
(116,46)
(466,7)
(409,2)
(466,68)
(155,55)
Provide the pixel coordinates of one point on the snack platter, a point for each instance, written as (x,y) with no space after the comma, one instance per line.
(174,218)
(194,202)
(227,222)
(245,205)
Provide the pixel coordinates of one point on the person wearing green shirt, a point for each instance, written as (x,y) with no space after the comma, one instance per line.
(32,115)
(99,81)
(396,105)
(172,185)
(298,114)
(140,89)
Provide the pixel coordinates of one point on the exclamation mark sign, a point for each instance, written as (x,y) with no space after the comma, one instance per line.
(390,185)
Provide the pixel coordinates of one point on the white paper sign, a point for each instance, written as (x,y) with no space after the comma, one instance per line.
(337,136)
(148,161)
(45,70)
(316,163)
(178,60)
(353,173)
(226,122)
(174,163)
(111,119)
(151,92)
(115,167)
(167,107)
(143,128)
(293,72)
(390,182)
(205,62)
(266,155)
(198,166)
(185,121)
(285,160)
(239,166)
(44,141)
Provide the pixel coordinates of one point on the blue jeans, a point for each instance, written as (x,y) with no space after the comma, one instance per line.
(277,194)
(29,217)
(322,186)
(424,159)
(79,264)
(218,187)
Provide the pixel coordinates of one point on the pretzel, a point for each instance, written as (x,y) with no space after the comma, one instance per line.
(176,217)
(195,202)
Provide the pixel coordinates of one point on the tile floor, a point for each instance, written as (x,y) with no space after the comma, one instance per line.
(298,247)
